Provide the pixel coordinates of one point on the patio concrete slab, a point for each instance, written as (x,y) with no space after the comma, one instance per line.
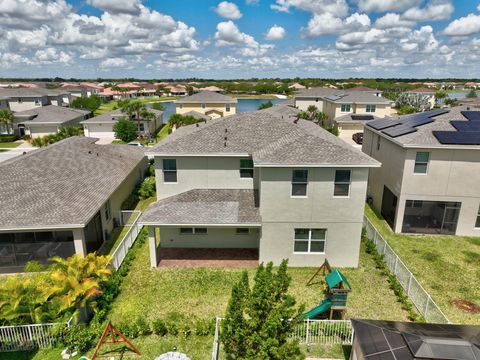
(208,258)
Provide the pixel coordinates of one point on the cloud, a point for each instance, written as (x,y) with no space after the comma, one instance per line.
(392,20)
(463,26)
(117,6)
(386,5)
(323,24)
(275,33)
(433,11)
(114,63)
(228,10)
(335,7)
(28,14)
(52,55)
(228,35)
(252,2)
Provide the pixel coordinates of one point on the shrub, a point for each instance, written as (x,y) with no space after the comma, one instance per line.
(79,337)
(34,266)
(8,138)
(147,188)
(159,327)
(143,328)
(205,327)
(125,129)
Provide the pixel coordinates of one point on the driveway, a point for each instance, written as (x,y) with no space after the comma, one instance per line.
(10,153)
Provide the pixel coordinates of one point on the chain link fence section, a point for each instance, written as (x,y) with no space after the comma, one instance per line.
(417,294)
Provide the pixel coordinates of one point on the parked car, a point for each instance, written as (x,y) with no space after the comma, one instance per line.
(135,143)
(358,138)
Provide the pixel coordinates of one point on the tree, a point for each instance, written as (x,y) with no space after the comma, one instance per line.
(471,94)
(189,90)
(135,109)
(125,129)
(91,103)
(441,94)
(178,120)
(260,322)
(417,102)
(7,119)
(265,105)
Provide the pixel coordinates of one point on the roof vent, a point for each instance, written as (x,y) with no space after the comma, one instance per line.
(197,124)
(225,138)
(225,144)
(89,151)
(226,130)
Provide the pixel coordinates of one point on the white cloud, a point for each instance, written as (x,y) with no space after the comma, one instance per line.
(52,55)
(228,35)
(386,5)
(275,33)
(478,7)
(228,10)
(114,63)
(433,11)
(335,7)
(252,2)
(28,14)
(117,6)
(463,26)
(322,24)
(392,20)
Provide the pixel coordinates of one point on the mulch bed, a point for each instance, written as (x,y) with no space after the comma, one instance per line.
(466,306)
(208,258)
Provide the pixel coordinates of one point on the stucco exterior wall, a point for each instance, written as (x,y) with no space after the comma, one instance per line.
(304,103)
(170,237)
(185,108)
(347,130)
(201,173)
(27,103)
(99,130)
(41,130)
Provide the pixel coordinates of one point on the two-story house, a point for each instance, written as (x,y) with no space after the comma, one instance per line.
(430,174)
(21,99)
(208,103)
(265,181)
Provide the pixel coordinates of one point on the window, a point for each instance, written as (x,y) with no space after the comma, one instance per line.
(227,107)
(169,170)
(19,100)
(421,162)
(378,142)
(371,108)
(180,106)
(309,240)
(345,108)
(108,210)
(242,231)
(38,103)
(246,168)
(141,127)
(299,182)
(477,223)
(203,106)
(342,183)
(193,231)
(414,203)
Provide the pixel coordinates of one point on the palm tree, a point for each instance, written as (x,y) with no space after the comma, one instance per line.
(136,110)
(7,119)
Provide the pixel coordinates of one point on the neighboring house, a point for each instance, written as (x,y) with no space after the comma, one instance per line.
(101,126)
(197,115)
(297,86)
(262,180)
(4,102)
(366,89)
(63,199)
(177,90)
(430,174)
(211,88)
(350,124)
(428,92)
(47,120)
(20,99)
(209,103)
(92,88)
(75,90)
(390,340)
(313,96)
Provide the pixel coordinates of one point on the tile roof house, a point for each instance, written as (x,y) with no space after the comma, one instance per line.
(265,181)
(209,103)
(428,182)
(63,199)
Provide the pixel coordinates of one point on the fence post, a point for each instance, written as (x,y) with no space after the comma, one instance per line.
(395,266)
(426,307)
(308,329)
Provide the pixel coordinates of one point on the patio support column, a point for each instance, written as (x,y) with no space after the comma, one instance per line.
(152,244)
(79,242)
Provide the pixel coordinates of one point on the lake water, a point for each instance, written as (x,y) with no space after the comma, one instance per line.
(457,95)
(243,105)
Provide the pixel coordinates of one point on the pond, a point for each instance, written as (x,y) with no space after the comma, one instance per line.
(243,105)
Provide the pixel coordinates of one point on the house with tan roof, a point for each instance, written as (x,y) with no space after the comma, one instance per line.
(209,103)
(258,186)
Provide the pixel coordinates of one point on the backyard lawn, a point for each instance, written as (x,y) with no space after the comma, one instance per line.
(108,106)
(448,267)
(9,145)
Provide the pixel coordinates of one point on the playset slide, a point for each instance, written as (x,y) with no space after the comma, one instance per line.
(319,309)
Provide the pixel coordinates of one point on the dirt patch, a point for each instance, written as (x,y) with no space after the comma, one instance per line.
(466,306)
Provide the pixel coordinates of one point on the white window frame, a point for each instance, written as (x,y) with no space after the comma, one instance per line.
(108,210)
(477,219)
(309,252)
(345,111)
(299,183)
(163,172)
(240,233)
(421,163)
(369,107)
(227,107)
(342,183)
(194,231)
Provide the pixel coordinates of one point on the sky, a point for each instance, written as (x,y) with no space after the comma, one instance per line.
(240,38)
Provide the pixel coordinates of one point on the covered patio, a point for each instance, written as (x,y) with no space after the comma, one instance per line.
(204,228)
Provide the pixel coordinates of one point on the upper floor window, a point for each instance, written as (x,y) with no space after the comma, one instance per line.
(345,107)
(227,107)
(477,223)
(169,170)
(141,127)
(343,179)
(371,108)
(310,240)
(246,168)
(421,162)
(108,210)
(299,182)
(203,106)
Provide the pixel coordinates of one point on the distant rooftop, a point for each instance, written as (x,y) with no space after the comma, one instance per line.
(30,92)
(343,96)
(113,116)
(207,97)
(50,114)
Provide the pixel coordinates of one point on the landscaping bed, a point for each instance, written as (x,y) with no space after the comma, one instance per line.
(446,266)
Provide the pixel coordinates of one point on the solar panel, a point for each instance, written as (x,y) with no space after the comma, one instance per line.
(435,112)
(464,126)
(399,130)
(382,124)
(417,121)
(458,137)
(471,115)
(362,117)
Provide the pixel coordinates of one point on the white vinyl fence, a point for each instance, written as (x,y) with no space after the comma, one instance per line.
(310,332)
(417,294)
(129,220)
(27,337)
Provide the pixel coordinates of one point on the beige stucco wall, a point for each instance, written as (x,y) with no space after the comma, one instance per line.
(27,103)
(37,130)
(304,103)
(201,173)
(185,108)
(217,237)
(333,110)
(99,130)
(347,130)
(281,214)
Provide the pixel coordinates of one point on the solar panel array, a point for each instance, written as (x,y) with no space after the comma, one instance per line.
(362,117)
(468,132)
(407,124)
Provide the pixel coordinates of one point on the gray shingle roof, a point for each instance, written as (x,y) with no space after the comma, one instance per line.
(357,97)
(356,118)
(113,116)
(317,92)
(205,207)
(424,136)
(64,184)
(30,92)
(270,136)
(50,114)
(198,115)
(207,97)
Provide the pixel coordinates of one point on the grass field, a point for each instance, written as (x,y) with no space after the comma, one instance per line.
(448,267)
(107,107)
(9,144)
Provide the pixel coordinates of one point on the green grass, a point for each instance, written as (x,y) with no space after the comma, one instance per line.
(9,144)
(446,266)
(162,134)
(107,107)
